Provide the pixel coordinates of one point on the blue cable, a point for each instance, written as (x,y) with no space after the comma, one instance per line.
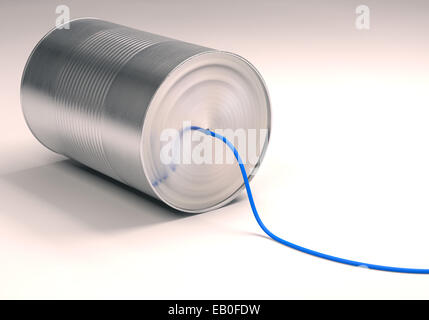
(290,244)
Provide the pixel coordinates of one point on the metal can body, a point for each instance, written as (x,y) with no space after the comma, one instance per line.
(101,94)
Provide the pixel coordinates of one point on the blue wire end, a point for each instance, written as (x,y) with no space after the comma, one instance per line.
(290,244)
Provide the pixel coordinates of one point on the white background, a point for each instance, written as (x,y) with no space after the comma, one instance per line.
(346,172)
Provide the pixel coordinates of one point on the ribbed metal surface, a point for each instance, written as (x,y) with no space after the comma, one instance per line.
(102,94)
(82,88)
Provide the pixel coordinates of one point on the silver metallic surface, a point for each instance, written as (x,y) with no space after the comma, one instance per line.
(102,94)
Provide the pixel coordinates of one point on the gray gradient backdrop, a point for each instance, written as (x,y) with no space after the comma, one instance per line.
(346,172)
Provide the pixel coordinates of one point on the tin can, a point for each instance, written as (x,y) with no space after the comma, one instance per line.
(103,94)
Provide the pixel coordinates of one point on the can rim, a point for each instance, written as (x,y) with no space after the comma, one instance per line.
(235,193)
